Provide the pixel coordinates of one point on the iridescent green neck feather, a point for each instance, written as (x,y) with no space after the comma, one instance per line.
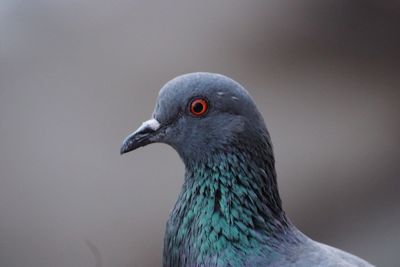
(229,207)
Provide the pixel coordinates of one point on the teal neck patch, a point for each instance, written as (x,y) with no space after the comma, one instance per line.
(228,206)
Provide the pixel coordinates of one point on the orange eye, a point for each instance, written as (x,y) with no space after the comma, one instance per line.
(198,107)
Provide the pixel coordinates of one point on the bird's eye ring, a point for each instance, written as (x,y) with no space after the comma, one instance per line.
(198,107)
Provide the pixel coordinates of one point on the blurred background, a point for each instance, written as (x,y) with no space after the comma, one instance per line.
(77,76)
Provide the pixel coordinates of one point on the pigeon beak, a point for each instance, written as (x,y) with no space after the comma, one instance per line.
(141,137)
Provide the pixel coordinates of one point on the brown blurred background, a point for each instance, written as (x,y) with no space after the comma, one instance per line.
(77,76)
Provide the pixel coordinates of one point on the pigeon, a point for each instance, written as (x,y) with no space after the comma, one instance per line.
(229,212)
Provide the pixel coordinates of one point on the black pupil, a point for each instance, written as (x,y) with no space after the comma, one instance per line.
(198,107)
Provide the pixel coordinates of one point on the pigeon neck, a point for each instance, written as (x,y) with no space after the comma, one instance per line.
(243,170)
(239,178)
(228,202)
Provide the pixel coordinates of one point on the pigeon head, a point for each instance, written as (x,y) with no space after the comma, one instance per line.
(198,114)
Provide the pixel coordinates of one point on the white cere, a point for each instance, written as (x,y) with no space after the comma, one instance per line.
(153,124)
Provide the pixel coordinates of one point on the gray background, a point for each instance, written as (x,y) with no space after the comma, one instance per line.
(77,76)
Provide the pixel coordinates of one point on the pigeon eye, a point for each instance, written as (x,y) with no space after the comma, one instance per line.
(198,107)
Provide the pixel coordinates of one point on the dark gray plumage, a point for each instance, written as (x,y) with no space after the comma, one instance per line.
(229,212)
